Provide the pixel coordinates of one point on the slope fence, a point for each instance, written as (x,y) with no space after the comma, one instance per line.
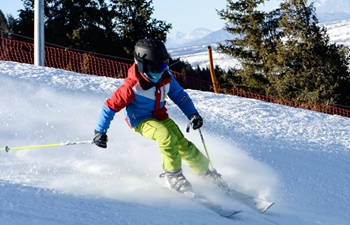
(87,63)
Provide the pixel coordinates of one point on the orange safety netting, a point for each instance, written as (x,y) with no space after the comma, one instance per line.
(23,52)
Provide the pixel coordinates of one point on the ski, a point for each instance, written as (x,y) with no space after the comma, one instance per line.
(219,209)
(258,204)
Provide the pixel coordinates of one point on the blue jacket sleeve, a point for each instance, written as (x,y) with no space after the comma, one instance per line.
(104,119)
(178,95)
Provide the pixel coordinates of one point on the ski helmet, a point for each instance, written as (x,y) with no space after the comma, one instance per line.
(150,55)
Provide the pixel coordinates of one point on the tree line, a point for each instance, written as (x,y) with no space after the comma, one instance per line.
(282,53)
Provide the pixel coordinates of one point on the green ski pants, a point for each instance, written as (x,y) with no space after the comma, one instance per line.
(173,146)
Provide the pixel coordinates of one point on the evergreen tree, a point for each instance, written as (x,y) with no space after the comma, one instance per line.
(254,45)
(24,25)
(3,25)
(93,25)
(312,69)
(283,53)
(81,24)
(6,25)
(133,22)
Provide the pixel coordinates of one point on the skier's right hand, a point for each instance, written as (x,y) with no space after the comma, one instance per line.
(100,139)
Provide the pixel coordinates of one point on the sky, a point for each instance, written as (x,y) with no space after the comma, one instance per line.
(297,158)
(185,15)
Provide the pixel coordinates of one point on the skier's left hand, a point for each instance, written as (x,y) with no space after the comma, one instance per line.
(100,139)
(197,121)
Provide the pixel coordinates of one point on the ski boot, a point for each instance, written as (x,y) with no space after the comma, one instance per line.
(177,181)
(215,178)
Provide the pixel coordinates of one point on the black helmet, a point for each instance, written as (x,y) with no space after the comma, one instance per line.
(149,54)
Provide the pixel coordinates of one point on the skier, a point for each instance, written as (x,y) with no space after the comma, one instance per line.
(142,96)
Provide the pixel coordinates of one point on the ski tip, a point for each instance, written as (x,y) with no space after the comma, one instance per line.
(233,213)
(267,207)
(236,212)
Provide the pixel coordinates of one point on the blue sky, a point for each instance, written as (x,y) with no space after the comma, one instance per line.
(185,15)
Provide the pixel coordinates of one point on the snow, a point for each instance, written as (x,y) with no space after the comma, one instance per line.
(297,158)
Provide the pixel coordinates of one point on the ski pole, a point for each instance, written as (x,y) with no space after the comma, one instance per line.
(203,142)
(7,149)
(206,150)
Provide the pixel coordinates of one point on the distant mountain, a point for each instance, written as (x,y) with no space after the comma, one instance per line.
(331,6)
(215,36)
(194,38)
(180,39)
(332,10)
(327,17)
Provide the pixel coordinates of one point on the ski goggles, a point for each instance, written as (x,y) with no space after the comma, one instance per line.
(157,68)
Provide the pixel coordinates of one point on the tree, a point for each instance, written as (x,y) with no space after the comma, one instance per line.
(312,69)
(133,22)
(283,53)
(93,25)
(254,45)
(6,25)
(3,25)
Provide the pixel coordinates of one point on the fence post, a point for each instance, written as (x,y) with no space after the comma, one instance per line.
(39,33)
(212,72)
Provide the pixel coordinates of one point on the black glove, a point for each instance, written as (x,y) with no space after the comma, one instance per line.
(100,139)
(197,121)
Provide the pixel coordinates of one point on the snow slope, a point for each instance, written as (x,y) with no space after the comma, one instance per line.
(300,159)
